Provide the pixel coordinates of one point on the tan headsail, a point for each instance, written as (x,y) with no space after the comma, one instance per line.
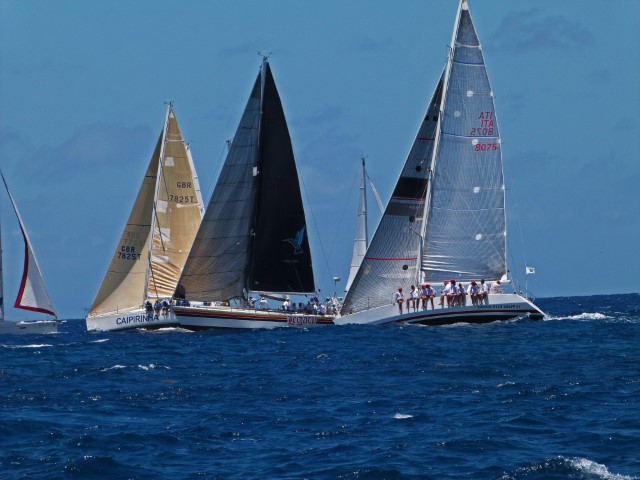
(169,201)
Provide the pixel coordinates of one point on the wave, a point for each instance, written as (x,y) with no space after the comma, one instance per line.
(115,367)
(575,467)
(152,366)
(593,469)
(402,416)
(582,316)
(163,330)
(35,345)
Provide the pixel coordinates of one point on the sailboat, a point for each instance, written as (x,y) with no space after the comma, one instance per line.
(446,216)
(254,238)
(153,248)
(361,241)
(32,295)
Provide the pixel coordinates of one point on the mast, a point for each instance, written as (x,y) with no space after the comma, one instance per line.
(257,170)
(1,280)
(154,217)
(361,241)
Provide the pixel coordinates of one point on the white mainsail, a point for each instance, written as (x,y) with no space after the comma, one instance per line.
(32,294)
(361,242)
(465,228)
(160,230)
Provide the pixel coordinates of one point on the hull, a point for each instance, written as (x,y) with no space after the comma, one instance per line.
(500,307)
(36,327)
(130,320)
(218,317)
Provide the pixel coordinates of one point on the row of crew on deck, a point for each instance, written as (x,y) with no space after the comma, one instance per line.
(313,306)
(451,294)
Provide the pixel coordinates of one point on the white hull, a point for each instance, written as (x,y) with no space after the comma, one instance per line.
(129,320)
(500,307)
(218,317)
(35,327)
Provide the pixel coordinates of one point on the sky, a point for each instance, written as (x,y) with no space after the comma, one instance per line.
(84,86)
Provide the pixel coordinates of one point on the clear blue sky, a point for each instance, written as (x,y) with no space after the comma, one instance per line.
(83,86)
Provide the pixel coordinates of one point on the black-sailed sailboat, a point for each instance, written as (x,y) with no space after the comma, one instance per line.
(253,239)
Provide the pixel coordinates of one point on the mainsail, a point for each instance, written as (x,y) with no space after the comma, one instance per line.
(465,235)
(253,236)
(161,226)
(32,294)
(392,257)
(446,217)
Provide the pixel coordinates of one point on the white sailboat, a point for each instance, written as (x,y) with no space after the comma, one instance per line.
(32,294)
(361,241)
(153,248)
(446,217)
(253,238)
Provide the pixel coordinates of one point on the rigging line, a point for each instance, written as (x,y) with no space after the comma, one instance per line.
(212,179)
(344,211)
(315,224)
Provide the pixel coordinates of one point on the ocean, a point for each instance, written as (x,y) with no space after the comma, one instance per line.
(553,399)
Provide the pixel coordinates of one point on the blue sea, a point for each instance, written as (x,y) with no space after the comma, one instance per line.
(554,399)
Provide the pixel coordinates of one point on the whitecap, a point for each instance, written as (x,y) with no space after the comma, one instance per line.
(102,340)
(500,385)
(115,367)
(402,416)
(582,316)
(152,366)
(36,345)
(592,468)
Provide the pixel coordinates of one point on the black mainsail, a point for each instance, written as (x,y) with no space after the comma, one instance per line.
(253,236)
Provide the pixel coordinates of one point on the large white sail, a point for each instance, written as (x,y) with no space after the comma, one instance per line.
(32,294)
(161,226)
(465,231)
(361,241)
(392,258)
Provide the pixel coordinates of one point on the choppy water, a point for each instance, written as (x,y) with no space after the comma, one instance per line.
(555,399)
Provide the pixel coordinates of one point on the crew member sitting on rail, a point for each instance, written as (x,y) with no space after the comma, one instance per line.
(473,292)
(495,287)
